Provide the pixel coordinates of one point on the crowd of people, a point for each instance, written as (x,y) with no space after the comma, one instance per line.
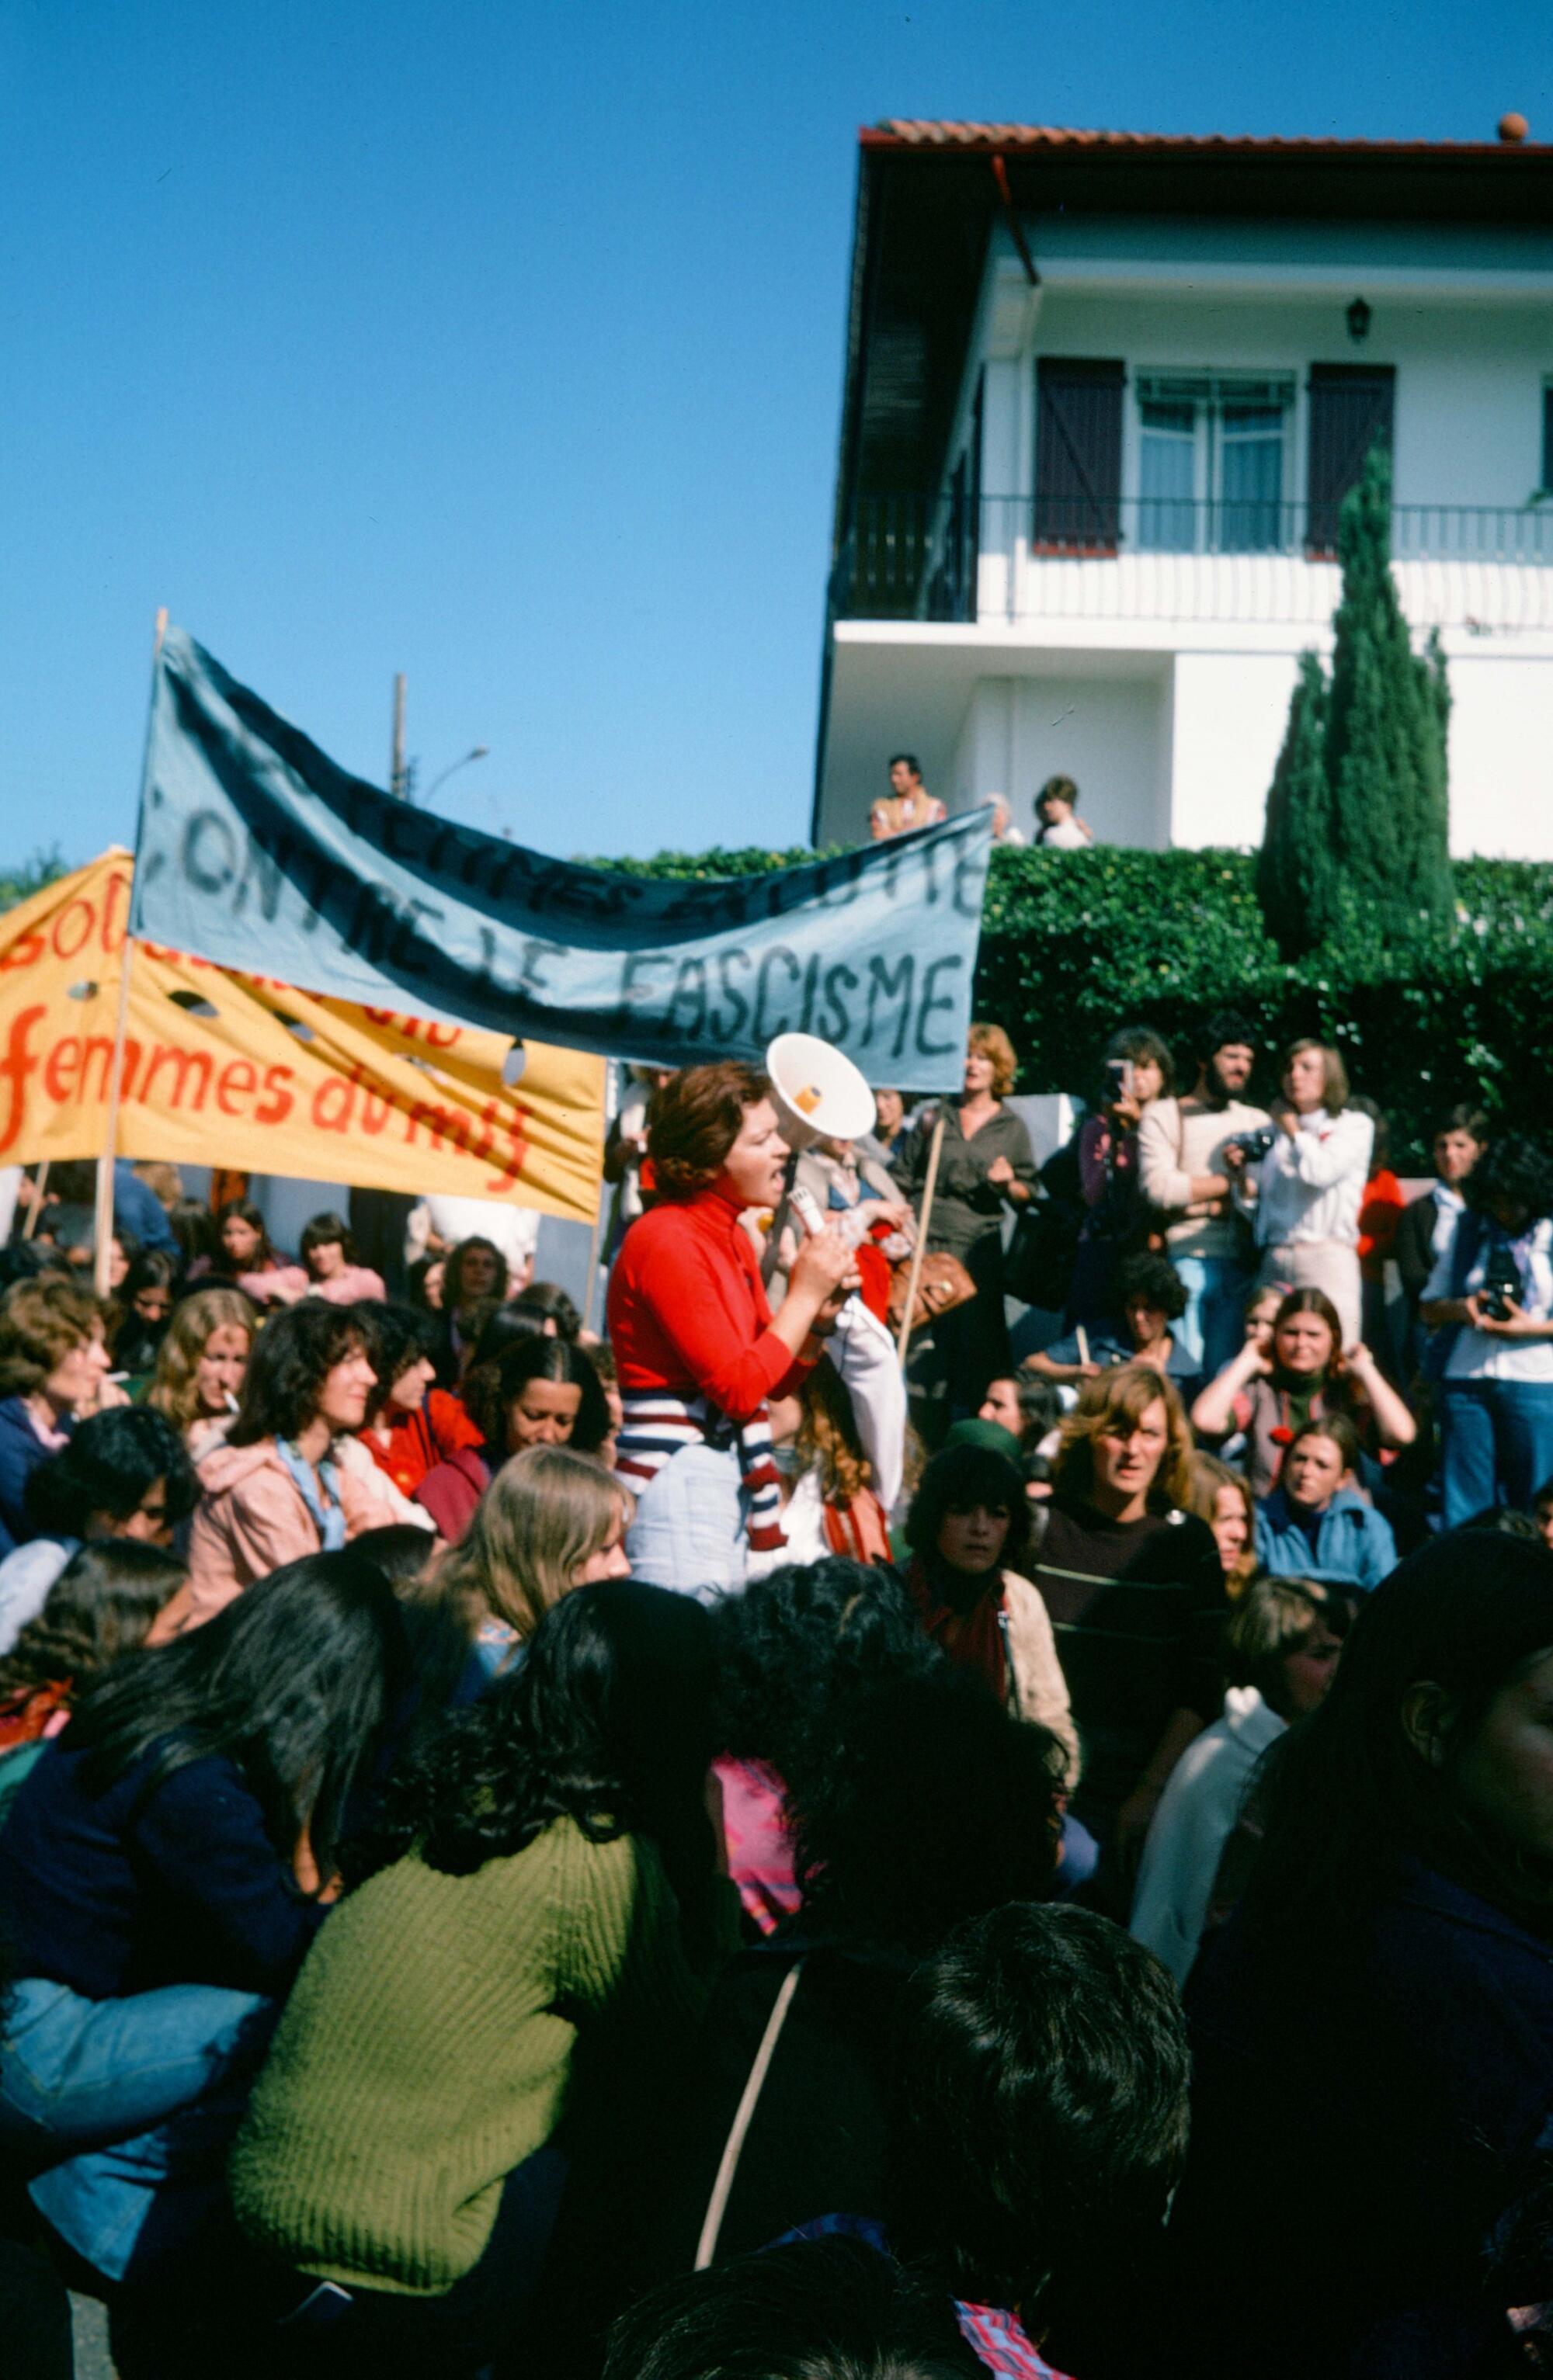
(701,1850)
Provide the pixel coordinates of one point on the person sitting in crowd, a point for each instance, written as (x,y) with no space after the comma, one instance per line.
(1266,1394)
(542,1391)
(1058,826)
(184,1832)
(474,1276)
(699,1350)
(274,1490)
(933,1806)
(411,1425)
(1136,1589)
(198,1244)
(551,1852)
(798,1651)
(426,1278)
(101,1605)
(1428,1223)
(123,1474)
(250,1263)
(333,1270)
(1150,1296)
(550,1521)
(1491,1297)
(985,1169)
(1281,1644)
(1315,1523)
(1222,1497)
(199,1365)
(557,1313)
(892,1129)
(54,1367)
(1185,1177)
(968,1529)
(1373,2032)
(441,1223)
(1138,1070)
(1026,1406)
(148,1294)
(839,1445)
(1308,1189)
(1014,2212)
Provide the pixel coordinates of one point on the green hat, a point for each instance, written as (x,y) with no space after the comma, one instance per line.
(990,1434)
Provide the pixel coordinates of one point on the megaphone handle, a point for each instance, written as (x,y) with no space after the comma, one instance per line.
(773,1255)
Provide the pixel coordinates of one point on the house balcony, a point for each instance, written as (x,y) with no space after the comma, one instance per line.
(1483,570)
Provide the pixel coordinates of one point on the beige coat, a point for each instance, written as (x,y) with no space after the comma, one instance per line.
(1040,1690)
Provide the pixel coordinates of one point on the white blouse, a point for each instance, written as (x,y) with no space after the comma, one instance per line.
(1311,1186)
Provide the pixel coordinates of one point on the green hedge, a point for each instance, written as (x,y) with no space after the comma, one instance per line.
(1075,943)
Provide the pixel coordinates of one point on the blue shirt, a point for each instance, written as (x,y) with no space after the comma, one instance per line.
(140,1211)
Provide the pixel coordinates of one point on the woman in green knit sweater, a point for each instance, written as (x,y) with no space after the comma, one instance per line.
(551,1882)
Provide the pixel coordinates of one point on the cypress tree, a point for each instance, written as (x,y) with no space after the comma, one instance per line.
(1296,867)
(1386,751)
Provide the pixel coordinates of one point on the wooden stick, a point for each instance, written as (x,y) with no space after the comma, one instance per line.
(1082,1337)
(914,1276)
(592,1265)
(103,1219)
(36,1209)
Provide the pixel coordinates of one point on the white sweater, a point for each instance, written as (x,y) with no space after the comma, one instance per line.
(1311,1187)
(1194,1820)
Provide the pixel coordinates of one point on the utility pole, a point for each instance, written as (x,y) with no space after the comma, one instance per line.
(397,757)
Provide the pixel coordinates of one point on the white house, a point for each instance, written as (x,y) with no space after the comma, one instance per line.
(1104,395)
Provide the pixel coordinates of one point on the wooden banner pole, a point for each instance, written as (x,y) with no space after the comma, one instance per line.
(103,1221)
(923,1220)
(36,1209)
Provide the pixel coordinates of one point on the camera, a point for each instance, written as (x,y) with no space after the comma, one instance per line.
(1501,1284)
(1255,1144)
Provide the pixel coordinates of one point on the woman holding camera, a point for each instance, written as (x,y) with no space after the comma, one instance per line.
(1310,1186)
(1492,1294)
(1138,1070)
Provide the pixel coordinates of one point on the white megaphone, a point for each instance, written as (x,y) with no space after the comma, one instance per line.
(818,1094)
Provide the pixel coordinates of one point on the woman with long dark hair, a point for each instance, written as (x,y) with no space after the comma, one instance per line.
(538,1939)
(250,1263)
(1491,1297)
(333,1265)
(274,1491)
(539,1391)
(1373,2033)
(410,1424)
(185,1831)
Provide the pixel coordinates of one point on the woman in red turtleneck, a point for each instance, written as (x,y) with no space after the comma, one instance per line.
(697,1348)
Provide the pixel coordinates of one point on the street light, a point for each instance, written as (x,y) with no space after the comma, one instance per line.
(478,752)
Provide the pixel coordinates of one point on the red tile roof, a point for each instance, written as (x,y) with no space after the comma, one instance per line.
(921,132)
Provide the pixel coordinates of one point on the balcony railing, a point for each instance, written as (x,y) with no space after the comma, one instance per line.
(1250,560)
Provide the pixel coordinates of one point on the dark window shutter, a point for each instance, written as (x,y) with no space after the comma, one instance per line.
(1078,454)
(1547,481)
(1351,409)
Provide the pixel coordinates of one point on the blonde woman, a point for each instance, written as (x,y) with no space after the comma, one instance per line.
(1221,1496)
(987,1165)
(1135,1588)
(550,1521)
(201,1363)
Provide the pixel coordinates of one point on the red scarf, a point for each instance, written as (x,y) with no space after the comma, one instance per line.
(972,1639)
(860,1530)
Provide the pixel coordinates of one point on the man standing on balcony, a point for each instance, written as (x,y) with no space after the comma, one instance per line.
(1181,1167)
(907,804)
(1058,823)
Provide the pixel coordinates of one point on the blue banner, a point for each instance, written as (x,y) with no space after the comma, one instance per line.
(256,851)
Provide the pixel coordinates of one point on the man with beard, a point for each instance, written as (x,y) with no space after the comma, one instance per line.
(1180,1154)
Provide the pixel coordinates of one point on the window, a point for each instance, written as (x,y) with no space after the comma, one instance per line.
(1211,461)
(1351,410)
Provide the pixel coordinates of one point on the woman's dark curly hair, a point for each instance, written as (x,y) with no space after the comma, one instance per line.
(111,1462)
(395,1337)
(693,1120)
(101,1605)
(454,1296)
(937,1807)
(1155,1280)
(550,1302)
(292,1357)
(958,1478)
(798,1651)
(609,1723)
(491,1388)
(1516,1172)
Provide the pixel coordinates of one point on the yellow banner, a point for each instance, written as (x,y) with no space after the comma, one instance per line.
(223,1069)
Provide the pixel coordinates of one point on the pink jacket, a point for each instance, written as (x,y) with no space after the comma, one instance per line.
(251,1519)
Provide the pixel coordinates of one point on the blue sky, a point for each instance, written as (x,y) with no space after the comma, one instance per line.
(501,344)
